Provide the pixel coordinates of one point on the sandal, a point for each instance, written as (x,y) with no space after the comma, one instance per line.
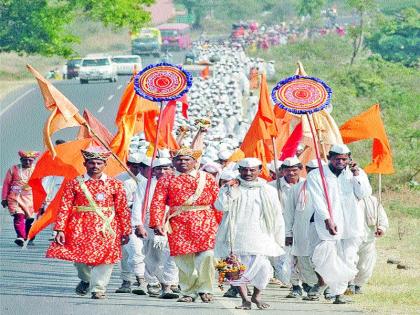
(186,299)
(206,297)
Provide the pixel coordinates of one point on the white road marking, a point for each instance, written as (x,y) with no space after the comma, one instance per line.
(15,101)
(100,109)
(110,97)
(119,87)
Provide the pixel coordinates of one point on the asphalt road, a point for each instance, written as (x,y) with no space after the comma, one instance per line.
(33,284)
(23,115)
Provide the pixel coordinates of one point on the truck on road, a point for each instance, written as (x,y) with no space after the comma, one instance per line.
(148,41)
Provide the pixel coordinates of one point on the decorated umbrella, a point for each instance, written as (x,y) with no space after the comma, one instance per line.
(160,83)
(304,95)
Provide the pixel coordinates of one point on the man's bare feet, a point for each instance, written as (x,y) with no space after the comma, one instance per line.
(260,304)
(246,305)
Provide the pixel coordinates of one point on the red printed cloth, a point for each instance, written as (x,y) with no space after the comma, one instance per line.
(192,231)
(85,241)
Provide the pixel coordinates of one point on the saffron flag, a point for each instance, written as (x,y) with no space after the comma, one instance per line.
(290,147)
(64,113)
(68,163)
(135,114)
(258,140)
(369,125)
(184,101)
(96,125)
(166,138)
(205,72)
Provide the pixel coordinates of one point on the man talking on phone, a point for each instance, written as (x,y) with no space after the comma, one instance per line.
(340,232)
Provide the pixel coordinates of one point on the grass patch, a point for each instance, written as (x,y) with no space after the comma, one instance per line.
(392,290)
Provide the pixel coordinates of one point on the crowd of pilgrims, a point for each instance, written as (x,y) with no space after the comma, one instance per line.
(204,207)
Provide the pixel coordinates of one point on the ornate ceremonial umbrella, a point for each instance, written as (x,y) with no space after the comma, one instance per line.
(304,95)
(160,82)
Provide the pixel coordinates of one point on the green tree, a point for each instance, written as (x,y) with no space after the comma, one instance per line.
(397,38)
(197,8)
(40,26)
(357,32)
(310,7)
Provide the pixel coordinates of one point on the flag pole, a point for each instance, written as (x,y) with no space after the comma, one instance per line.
(321,143)
(276,154)
(321,170)
(84,123)
(149,176)
(379,198)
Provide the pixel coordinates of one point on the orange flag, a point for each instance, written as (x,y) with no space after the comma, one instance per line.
(369,125)
(64,113)
(166,138)
(205,72)
(96,125)
(68,163)
(135,114)
(258,140)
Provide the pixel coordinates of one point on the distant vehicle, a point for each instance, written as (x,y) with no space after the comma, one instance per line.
(191,57)
(95,67)
(126,64)
(175,36)
(73,66)
(146,42)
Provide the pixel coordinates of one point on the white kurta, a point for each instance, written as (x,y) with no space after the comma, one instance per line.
(159,265)
(51,185)
(375,217)
(132,260)
(344,192)
(130,186)
(249,238)
(329,257)
(300,209)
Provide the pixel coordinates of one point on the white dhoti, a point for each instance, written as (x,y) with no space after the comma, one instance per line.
(351,248)
(159,264)
(132,261)
(257,273)
(97,276)
(328,259)
(306,270)
(366,264)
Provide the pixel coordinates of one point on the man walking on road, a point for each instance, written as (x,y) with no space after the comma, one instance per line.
(92,223)
(17,195)
(252,229)
(346,185)
(191,223)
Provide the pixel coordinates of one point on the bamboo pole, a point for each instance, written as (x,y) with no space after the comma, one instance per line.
(273,140)
(149,177)
(321,170)
(84,123)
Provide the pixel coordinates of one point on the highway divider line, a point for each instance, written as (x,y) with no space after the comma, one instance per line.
(119,87)
(110,97)
(100,109)
(15,101)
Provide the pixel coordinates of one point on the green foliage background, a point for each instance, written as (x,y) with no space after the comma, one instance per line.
(369,81)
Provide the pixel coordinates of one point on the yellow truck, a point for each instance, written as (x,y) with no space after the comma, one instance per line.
(148,41)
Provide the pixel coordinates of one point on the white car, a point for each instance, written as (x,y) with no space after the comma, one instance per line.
(97,68)
(127,63)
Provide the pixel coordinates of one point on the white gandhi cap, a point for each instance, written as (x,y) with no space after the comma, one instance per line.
(340,149)
(291,161)
(249,162)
